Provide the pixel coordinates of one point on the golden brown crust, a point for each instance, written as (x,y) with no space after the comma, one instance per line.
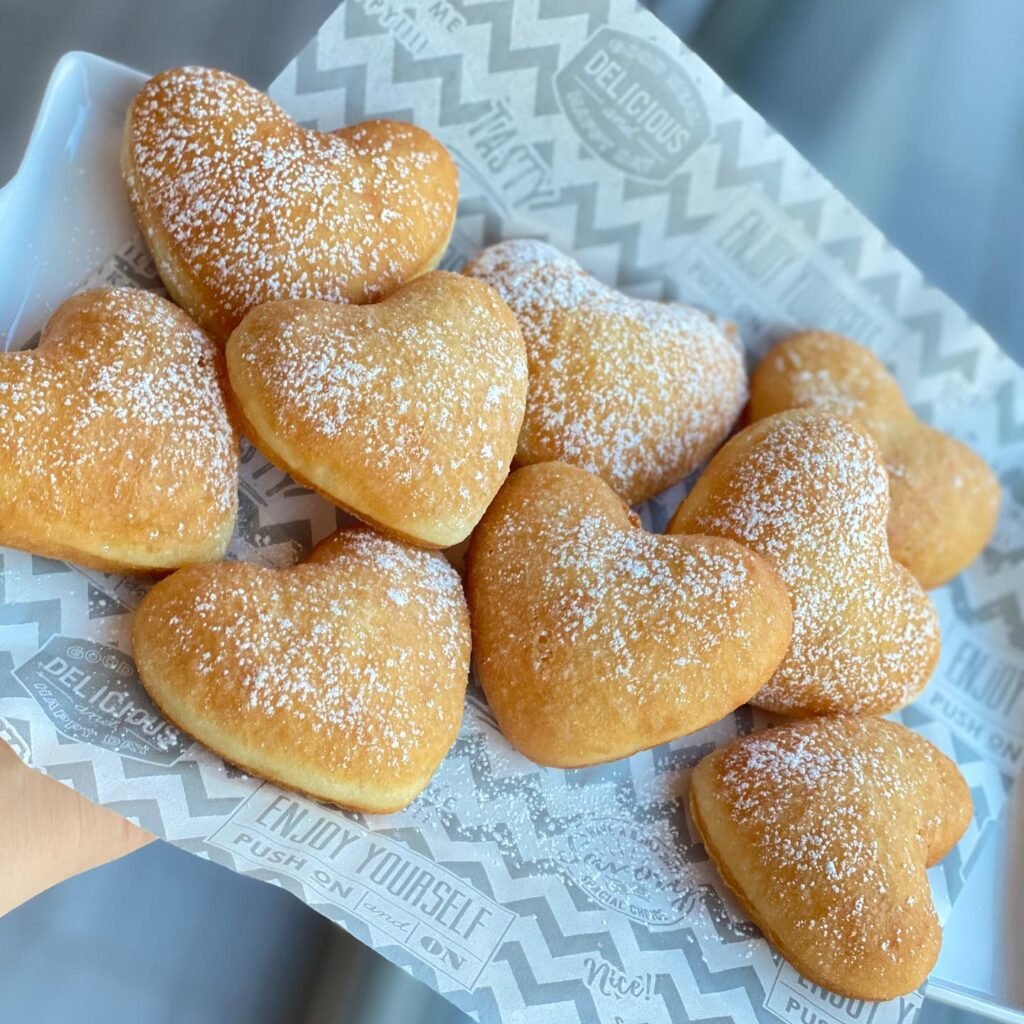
(405,413)
(944,498)
(824,831)
(116,448)
(240,205)
(594,639)
(808,491)
(342,677)
(640,393)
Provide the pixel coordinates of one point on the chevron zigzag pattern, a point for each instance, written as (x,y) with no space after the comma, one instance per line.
(455,67)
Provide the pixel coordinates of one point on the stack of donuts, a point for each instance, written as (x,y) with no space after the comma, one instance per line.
(525,407)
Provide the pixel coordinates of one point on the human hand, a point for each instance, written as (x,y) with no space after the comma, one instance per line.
(49,833)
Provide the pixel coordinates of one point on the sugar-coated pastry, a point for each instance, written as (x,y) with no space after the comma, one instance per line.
(404,412)
(944,497)
(342,677)
(116,450)
(823,829)
(594,639)
(240,205)
(638,392)
(809,492)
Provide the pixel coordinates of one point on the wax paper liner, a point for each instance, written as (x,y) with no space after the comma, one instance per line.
(523,893)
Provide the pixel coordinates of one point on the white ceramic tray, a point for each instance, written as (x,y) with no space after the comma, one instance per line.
(65,211)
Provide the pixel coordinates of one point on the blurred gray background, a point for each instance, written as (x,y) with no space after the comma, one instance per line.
(915,109)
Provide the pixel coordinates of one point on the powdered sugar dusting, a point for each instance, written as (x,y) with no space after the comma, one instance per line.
(825,371)
(258,208)
(421,398)
(840,813)
(818,389)
(608,597)
(123,394)
(638,392)
(602,588)
(812,495)
(325,647)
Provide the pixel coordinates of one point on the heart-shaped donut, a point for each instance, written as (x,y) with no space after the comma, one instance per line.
(594,639)
(116,450)
(824,830)
(342,677)
(809,492)
(640,393)
(404,412)
(240,205)
(944,497)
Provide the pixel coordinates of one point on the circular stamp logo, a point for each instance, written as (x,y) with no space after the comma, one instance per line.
(92,694)
(633,105)
(624,867)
